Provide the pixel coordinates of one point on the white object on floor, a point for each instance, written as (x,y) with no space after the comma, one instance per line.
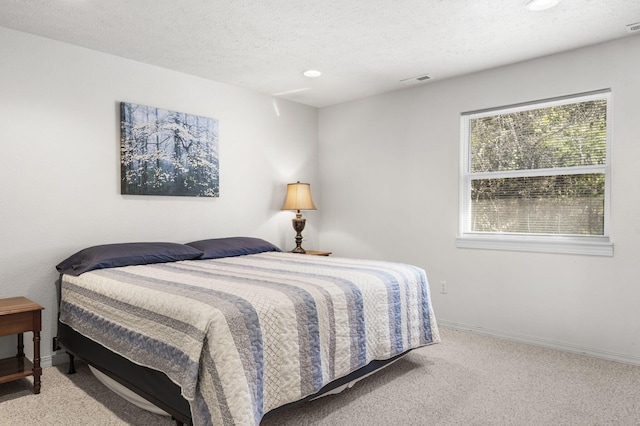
(126,393)
(349,385)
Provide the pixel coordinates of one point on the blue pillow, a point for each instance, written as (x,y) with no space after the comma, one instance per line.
(233,246)
(124,254)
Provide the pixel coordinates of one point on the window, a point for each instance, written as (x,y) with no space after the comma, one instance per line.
(535,176)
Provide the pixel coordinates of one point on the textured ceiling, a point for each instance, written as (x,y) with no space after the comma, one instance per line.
(362,47)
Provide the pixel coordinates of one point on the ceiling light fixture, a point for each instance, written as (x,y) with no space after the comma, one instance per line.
(537,5)
(312,73)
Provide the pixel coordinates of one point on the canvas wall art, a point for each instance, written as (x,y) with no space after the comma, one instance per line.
(166,152)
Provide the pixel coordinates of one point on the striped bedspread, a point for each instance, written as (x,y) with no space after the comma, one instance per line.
(244,335)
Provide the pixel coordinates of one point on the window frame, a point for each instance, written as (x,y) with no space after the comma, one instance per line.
(598,245)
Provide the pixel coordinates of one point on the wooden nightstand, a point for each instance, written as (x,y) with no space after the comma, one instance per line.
(17,315)
(318,253)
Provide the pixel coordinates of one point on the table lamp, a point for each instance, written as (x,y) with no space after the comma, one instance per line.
(298,198)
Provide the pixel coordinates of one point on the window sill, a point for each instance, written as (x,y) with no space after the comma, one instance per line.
(593,246)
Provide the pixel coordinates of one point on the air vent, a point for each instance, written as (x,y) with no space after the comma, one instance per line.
(633,28)
(415,80)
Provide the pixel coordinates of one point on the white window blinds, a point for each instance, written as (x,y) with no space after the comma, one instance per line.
(537,169)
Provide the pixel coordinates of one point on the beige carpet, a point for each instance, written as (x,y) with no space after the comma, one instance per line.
(466,380)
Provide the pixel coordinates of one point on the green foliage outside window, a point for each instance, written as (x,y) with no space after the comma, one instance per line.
(554,150)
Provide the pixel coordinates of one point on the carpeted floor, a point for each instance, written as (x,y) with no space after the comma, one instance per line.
(468,379)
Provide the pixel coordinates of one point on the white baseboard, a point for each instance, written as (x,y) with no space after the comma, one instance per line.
(545,343)
(45,361)
(56,358)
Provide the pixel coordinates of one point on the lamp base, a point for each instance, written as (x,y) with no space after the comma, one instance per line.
(298,225)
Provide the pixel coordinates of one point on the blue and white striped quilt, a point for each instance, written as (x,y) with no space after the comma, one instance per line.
(244,335)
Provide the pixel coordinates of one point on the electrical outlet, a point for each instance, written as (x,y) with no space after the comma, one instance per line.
(443,287)
(56,346)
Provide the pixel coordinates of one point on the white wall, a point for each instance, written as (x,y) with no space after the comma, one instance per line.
(389,168)
(59,180)
(386,184)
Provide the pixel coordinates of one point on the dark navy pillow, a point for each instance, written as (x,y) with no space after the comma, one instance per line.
(233,246)
(124,254)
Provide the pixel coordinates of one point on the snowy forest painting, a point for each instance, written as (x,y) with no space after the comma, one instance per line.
(168,153)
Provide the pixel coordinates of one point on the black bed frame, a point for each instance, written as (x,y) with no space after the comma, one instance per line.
(155,386)
(152,385)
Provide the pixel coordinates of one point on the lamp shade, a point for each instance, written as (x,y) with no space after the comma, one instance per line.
(298,197)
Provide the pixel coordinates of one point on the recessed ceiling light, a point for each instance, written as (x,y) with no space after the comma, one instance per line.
(312,73)
(536,5)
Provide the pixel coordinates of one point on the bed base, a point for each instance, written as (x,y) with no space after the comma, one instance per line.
(157,388)
(152,385)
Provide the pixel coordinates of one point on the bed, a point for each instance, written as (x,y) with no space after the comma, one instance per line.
(225,331)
